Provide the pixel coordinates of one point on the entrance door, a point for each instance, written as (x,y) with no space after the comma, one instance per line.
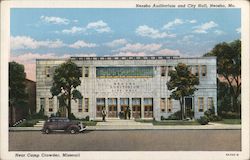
(100,105)
(112,107)
(136,107)
(148,107)
(189,107)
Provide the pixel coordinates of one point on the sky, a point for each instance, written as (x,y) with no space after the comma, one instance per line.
(61,33)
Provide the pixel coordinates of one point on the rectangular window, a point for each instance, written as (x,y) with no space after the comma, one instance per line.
(86,71)
(210,103)
(80,68)
(190,69)
(47,71)
(170,105)
(51,104)
(42,103)
(86,104)
(201,104)
(163,104)
(124,72)
(80,105)
(204,70)
(163,71)
(196,71)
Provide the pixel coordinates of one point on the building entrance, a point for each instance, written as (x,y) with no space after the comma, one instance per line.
(112,107)
(148,107)
(189,107)
(136,108)
(100,105)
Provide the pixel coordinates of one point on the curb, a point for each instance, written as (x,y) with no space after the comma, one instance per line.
(95,128)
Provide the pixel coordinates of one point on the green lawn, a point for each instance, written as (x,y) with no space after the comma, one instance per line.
(175,122)
(28,123)
(230,121)
(89,123)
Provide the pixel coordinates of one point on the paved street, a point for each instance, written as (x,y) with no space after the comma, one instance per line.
(132,140)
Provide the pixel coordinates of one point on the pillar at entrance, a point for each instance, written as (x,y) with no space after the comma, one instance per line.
(118,106)
(142,107)
(106,106)
(130,106)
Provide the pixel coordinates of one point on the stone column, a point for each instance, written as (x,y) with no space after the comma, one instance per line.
(118,107)
(106,106)
(130,106)
(142,107)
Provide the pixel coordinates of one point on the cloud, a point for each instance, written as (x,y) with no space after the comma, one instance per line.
(168,52)
(238,30)
(192,21)
(219,32)
(173,23)
(116,43)
(29,60)
(99,26)
(55,20)
(146,31)
(82,44)
(203,28)
(137,47)
(177,22)
(26,42)
(162,52)
(73,30)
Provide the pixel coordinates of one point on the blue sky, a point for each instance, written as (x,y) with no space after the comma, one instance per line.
(55,33)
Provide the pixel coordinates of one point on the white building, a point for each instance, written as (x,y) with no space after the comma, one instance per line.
(136,82)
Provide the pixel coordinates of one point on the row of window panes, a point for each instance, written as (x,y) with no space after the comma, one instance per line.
(193,69)
(163,105)
(124,101)
(201,103)
(86,104)
(124,71)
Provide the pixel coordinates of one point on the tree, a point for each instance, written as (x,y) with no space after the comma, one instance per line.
(182,83)
(17,95)
(65,80)
(229,68)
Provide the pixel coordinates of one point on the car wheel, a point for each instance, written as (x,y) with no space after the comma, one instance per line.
(47,131)
(73,131)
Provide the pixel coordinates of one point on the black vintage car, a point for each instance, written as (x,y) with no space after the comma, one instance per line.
(64,124)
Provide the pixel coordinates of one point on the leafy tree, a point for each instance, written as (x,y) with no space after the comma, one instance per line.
(65,80)
(17,95)
(229,68)
(182,83)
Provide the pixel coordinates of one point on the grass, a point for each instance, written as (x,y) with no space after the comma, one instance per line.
(175,122)
(230,121)
(89,123)
(28,123)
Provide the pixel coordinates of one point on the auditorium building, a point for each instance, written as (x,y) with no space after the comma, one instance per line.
(138,83)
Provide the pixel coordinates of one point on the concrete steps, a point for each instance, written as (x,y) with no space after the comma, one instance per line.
(39,124)
(123,123)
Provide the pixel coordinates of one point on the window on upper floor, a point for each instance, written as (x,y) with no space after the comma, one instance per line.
(196,70)
(47,71)
(86,71)
(204,70)
(163,104)
(163,71)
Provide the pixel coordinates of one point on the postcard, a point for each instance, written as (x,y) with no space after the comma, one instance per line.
(124,79)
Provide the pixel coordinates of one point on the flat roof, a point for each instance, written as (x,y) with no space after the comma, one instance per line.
(127,58)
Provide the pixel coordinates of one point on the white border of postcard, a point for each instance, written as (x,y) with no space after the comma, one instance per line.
(173,155)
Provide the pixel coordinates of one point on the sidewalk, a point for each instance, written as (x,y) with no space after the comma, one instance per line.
(102,126)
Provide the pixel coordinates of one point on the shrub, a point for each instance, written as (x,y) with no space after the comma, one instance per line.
(39,115)
(230,115)
(174,116)
(203,120)
(210,114)
(87,118)
(72,116)
(162,118)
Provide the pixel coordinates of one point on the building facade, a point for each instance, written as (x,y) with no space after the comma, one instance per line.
(138,83)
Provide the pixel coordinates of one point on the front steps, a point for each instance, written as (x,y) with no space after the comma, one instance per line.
(39,124)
